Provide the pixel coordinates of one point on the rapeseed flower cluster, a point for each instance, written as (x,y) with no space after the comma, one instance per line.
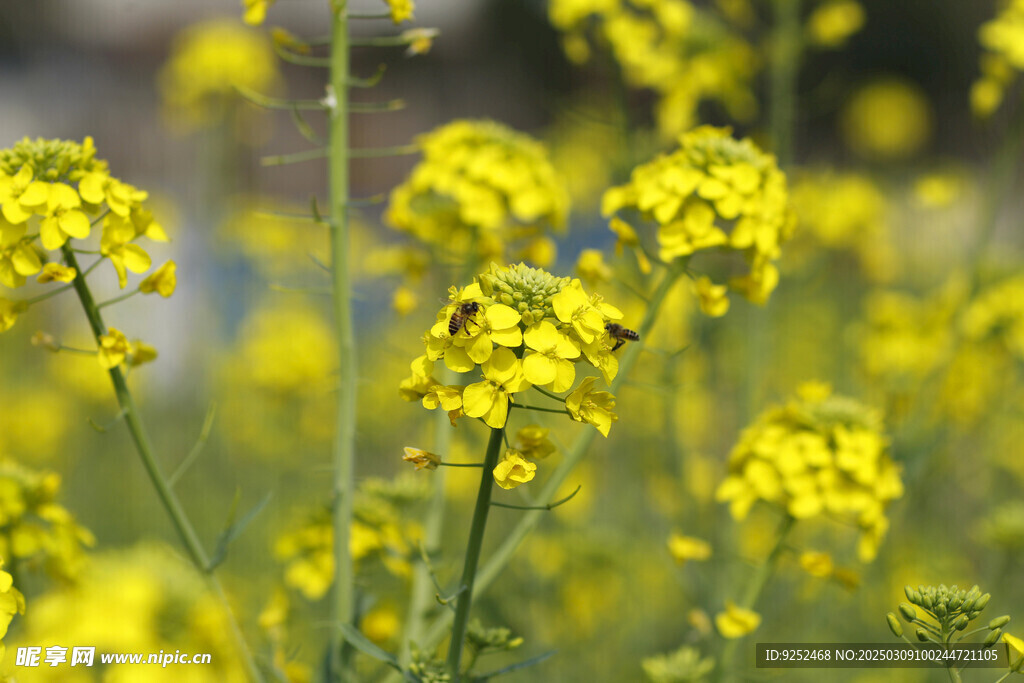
(682,53)
(519,327)
(479,187)
(11,602)
(817,455)
(208,61)
(55,191)
(997,313)
(36,532)
(1003,40)
(143,599)
(379,531)
(713,193)
(845,212)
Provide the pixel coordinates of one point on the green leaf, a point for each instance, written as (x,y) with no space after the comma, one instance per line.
(234,529)
(482,678)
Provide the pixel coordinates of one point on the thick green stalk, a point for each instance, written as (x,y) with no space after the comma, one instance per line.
(530,519)
(786,48)
(464,601)
(753,592)
(342,607)
(179,519)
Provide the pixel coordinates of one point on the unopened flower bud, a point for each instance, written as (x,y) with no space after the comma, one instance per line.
(894,624)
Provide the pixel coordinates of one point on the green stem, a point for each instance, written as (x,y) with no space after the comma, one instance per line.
(342,603)
(530,519)
(539,409)
(179,519)
(786,45)
(117,299)
(473,546)
(753,592)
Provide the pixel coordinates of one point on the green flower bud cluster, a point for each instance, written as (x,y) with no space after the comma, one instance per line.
(428,669)
(527,290)
(482,640)
(951,609)
(685,664)
(52,159)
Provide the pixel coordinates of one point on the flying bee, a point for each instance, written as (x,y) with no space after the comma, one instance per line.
(620,334)
(462,315)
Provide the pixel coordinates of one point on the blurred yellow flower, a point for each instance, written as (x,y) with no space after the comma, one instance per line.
(685,548)
(55,272)
(480,186)
(421,458)
(888,119)
(36,532)
(162,280)
(712,298)
(1003,37)
(817,564)
(381,624)
(401,10)
(680,51)
(532,441)
(122,603)
(833,22)
(736,622)
(255,11)
(114,347)
(208,60)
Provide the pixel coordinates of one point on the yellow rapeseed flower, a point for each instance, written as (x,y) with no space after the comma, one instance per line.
(833,22)
(817,456)
(480,186)
(114,348)
(685,548)
(595,407)
(401,10)
(421,458)
(713,192)
(55,272)
(514,469)
(683,53)
(162,280)
(736,622)
(208,61)
(888,119)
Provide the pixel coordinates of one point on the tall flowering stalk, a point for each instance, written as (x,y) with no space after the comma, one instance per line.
(520,328)
(341,602)
(52,194)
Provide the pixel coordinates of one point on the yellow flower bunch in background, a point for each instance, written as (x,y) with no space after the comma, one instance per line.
(997,312)
(36,531)
(713,193)
(845,211)
(52,193)
(682,53)
(480,186)
(1003,39)
(208,61)
(379,531)
(11,602)
(140,600)
(519,327)
(817,455)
